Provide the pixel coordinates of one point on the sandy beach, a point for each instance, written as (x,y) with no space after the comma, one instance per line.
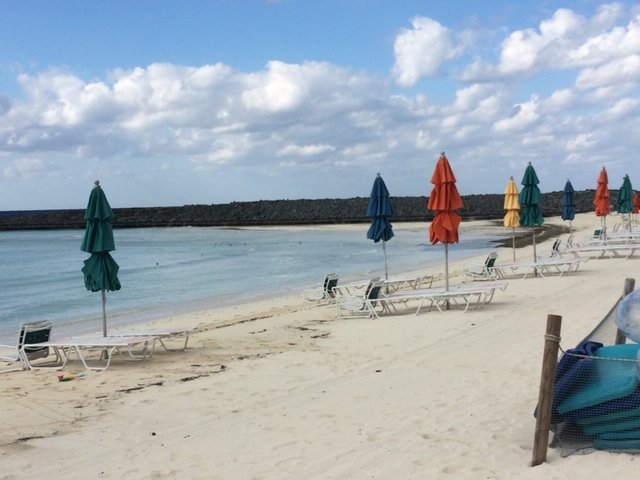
(282,390)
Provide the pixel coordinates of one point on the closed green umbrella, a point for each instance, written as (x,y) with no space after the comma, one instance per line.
(100,269)
(625,198)
(530,213)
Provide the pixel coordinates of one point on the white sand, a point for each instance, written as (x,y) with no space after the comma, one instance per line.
(292,393)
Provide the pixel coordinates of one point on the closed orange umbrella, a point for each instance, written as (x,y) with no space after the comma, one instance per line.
(512,206)
(444,200)
(601,202)
(636,202)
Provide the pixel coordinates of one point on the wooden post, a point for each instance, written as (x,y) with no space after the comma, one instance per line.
(547,381)
(629,285)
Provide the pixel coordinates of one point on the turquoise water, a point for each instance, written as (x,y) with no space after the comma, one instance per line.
(166,270)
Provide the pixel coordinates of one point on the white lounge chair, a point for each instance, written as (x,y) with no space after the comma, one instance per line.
(462,295)
(611,249)
(132,348)
(356,288)
(542,267)
(325,293)
(485,271)
(358,305)
(555,248)
(36,334)
(162,335)
(406,282)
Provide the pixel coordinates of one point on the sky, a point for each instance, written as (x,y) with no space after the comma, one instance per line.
(172,103)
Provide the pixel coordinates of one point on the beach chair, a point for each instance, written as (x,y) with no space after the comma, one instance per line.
(364,305)
(34,334)
(611,249)
(485,271)
(162,335)
(83,347)
(325,293)
(541,267)
(555,248)
(440,298)
(558,251)
(404,282)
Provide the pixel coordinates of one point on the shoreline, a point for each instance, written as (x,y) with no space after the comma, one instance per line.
(123,313)
(279,389)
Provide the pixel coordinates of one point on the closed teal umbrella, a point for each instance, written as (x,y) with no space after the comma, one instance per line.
(380,210)
(625,198)
(530,213)
(100,269)
(568,203)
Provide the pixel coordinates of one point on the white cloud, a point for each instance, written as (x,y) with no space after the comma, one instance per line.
(621,70)
(315,125)
(282,87)
(616,43)
(305,150)
(420,51)
(623,108)
(524,115)
(565,41)
(583,141)
(560,100)
(24,168)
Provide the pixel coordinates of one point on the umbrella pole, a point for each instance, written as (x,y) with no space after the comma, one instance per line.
(535,255)
(446,266)
(513,242)
(384,249)
(104,313)
(446,270)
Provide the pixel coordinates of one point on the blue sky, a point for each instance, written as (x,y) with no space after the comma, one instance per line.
(200,102)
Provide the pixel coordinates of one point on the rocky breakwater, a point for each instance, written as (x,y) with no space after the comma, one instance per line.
(280,212)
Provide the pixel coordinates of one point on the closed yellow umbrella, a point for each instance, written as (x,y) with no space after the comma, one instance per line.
(512,206)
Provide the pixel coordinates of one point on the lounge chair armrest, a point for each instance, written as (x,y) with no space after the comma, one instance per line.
(351,302)
(314,294)
(9,353)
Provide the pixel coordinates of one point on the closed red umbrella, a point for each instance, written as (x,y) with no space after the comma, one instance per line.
(636,202)
(602,202)
(444,200)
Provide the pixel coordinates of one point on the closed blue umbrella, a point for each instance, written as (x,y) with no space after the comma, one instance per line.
(380,210)
(100,269)
(568,203)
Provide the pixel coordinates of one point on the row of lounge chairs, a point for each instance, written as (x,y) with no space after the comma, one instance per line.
(36,349)
(490,270)
(371,298)
(620,244)
(374,301)
(330,287)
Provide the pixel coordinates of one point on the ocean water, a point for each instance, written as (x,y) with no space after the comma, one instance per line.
(169,270)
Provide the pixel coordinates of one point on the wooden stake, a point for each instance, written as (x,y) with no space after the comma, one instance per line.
(547,381)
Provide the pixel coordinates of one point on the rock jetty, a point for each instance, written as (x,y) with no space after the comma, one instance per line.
(280,212)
